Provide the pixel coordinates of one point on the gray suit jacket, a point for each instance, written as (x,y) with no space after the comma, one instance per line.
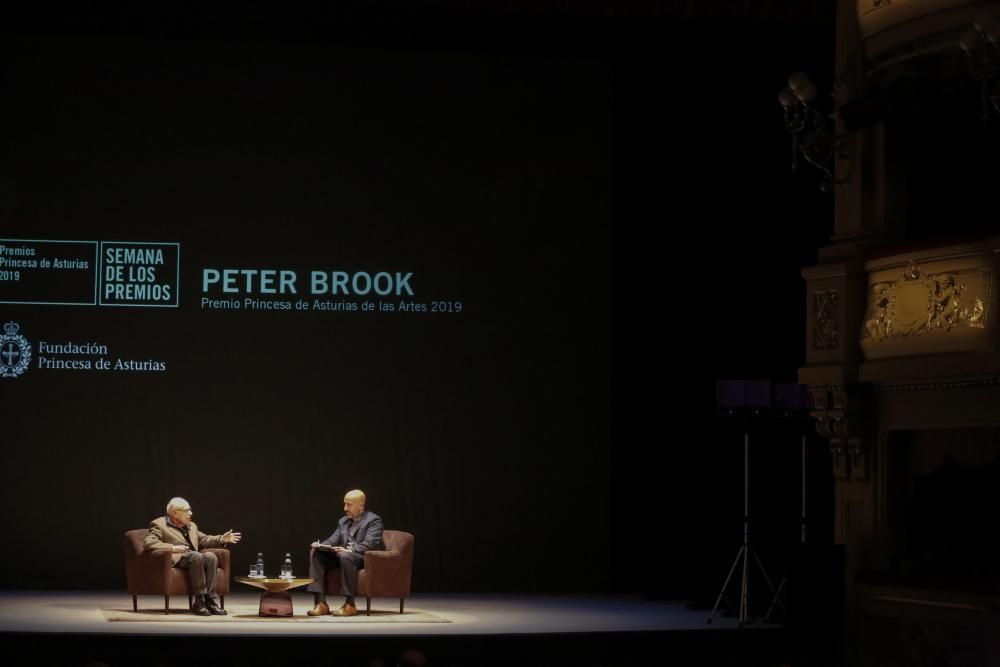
(367,533)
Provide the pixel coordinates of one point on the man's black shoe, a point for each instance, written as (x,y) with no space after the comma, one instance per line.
(213,608)
(199,607)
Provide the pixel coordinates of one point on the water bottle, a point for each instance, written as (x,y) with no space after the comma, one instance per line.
(260,565)
(286,567)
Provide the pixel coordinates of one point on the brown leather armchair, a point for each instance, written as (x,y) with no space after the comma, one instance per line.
(386,573)
(153,573)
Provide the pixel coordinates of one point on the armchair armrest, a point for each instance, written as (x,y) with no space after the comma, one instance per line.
(372,557)
(388,574)
(382,563)
(161,559)
(149,571)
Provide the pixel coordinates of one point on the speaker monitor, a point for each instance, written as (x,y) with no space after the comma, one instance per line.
(736,396)
(762,397)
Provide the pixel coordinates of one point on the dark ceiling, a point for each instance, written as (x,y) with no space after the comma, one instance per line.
(567,26)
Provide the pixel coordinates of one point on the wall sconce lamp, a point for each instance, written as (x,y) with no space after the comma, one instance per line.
(811,129)
(980,45)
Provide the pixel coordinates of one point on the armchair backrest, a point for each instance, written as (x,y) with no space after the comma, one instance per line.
(401,543)
(134,540)
(396,540)
(133,567)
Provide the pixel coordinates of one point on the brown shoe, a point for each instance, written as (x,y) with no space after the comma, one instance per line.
(346,610)
(321,609)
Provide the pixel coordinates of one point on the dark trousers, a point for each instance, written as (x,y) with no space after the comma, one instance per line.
(202,568)
(348,562)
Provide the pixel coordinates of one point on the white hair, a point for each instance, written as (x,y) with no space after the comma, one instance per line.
(177,503)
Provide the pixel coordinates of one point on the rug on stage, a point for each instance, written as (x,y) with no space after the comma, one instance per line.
(238,613)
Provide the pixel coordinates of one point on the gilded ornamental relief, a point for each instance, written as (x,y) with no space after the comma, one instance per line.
(918,303)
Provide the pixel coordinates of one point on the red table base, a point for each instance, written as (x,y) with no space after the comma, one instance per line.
(276,603)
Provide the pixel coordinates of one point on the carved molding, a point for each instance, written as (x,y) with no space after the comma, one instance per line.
(838,415)
(943,384)
(876,16)
(826,306)
(866,7)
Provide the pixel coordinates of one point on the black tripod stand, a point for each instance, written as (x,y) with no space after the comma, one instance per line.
(745,553)
(805,533)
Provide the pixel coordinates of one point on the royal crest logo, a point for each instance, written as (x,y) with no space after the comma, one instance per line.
(15,351)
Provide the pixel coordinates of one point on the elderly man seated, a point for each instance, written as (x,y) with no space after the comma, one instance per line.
(177,532)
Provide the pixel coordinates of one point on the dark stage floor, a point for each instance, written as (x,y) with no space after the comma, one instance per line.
(81,628)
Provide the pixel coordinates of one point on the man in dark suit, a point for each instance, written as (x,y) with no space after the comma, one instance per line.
(358,531)
(177,532)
